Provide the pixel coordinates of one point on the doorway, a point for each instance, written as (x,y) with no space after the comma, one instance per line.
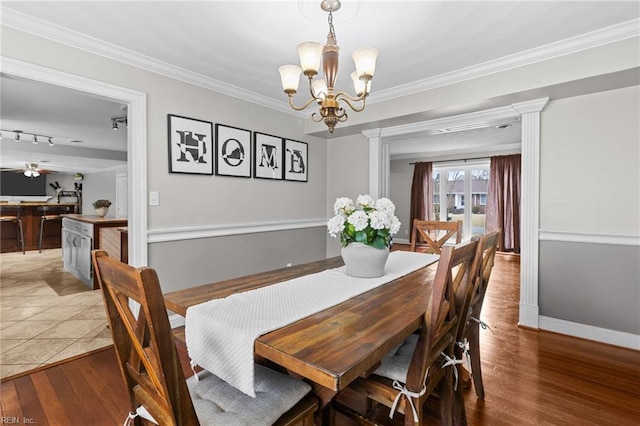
(135,186)
(529,114)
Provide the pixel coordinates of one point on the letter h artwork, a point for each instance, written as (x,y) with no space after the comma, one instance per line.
(190,145)
(295,161)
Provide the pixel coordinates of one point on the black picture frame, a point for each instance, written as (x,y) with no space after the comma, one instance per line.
(190,143)
(296,161)
(268,156)
(233,151)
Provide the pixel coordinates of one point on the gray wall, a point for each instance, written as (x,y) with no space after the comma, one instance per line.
(400,180)
(234,256)
(590,191)
(100,186)
(593,284)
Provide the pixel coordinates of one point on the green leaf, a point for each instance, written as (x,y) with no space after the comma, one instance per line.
(361,237)
(379,242)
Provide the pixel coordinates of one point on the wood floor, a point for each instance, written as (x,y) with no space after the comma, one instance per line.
(531,378)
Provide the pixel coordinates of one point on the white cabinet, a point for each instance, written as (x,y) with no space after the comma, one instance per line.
(77,242)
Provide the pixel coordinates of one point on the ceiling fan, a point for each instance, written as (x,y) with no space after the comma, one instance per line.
(30,170)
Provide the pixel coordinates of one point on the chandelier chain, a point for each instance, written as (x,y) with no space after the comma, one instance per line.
(330,21)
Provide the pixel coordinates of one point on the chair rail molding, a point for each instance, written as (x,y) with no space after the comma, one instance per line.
(190,233)
(567,236)
(529,113)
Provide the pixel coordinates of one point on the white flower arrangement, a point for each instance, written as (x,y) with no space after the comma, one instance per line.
(367,221)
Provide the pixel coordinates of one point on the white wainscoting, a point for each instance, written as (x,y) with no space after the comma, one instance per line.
(189,233)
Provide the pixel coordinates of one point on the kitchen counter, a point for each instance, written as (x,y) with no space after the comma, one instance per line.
(30,214)
(36,204)
(97,220)
(83,233)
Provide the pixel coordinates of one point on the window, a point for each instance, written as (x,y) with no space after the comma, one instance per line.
(465,191)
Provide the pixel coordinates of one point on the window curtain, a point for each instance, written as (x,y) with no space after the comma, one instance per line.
(421,193)
(503,201)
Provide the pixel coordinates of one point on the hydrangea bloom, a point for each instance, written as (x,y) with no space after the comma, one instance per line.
(385,205)
(365,201)
(336,225)
(344,206)
(378,219)
(367,221)
(359,220)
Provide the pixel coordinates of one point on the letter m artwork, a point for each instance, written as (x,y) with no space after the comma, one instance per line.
(268,157)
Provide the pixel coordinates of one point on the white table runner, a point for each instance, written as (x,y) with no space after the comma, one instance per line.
(220,333)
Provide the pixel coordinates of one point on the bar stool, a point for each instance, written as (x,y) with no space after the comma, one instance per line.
(59,211)
(12,214)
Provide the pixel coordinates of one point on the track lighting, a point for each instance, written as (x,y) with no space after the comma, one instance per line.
(35,141)
(118,120)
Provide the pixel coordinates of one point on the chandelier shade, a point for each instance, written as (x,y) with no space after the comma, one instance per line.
(312,57)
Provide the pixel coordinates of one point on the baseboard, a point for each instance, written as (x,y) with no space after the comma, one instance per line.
(528,316)
(589,332)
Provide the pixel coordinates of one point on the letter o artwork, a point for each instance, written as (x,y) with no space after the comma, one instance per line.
(233,151)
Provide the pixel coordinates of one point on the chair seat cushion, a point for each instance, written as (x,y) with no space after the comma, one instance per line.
(218,403)
(395,364)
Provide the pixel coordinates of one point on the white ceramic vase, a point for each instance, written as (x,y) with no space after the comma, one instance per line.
(364,261)
(102,211)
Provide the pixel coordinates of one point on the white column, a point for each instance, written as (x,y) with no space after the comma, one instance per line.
(378,166)
(529,211)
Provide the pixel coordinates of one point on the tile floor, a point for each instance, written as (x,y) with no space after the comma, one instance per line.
(46,314)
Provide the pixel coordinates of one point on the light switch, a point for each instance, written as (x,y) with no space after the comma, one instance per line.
(154,198)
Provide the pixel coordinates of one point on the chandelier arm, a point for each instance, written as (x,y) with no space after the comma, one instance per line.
(301,107)
(348,100)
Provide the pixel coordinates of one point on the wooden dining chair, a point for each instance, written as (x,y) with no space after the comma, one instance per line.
(430,235)
(472,332)
(424,362)
(151,369)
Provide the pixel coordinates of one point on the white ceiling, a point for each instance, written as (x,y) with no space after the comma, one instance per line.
(236,47)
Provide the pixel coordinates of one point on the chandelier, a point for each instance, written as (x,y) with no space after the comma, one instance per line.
(322,89)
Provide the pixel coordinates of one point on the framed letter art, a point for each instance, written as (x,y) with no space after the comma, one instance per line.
(190,145)
(295,160)
(267,156)
(233,151)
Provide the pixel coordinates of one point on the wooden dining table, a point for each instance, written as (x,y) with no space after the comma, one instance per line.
(333,347)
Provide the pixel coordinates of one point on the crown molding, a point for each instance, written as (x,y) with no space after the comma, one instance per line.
(604,36)
(57,33)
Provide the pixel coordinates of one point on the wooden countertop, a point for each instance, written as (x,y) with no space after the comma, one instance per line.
(36,204)
(96,220)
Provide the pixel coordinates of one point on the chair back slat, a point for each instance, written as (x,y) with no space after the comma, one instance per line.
(144,342)
(490,247)
(441,320)
(432,235)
